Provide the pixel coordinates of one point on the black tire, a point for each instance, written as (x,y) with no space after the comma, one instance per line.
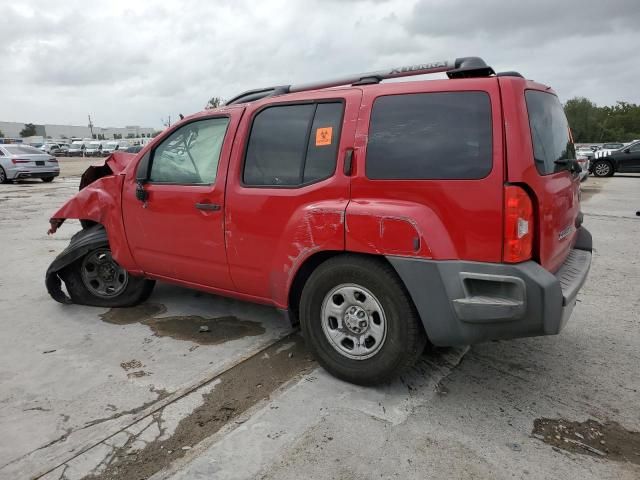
(48,179)
(137,290)
(405,337)
(602,168)
(3,176)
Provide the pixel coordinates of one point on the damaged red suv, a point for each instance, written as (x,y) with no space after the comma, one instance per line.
(378,215)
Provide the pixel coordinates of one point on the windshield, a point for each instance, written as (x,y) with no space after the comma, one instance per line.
(76,146)
(94,145)
(111,146)
(21,149)
(612,146)
(549,132)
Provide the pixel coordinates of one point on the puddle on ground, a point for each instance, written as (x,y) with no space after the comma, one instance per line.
(609,440)
(139,313)
(194,328)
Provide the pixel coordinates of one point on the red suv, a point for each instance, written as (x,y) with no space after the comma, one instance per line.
(378,215)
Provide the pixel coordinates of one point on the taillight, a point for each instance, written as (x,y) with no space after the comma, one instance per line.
(53,160)
(16,161)
(518,225)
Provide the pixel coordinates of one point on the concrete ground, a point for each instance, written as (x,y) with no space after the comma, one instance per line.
(140,393)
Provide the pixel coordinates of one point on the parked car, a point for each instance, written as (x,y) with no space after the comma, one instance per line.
(109,147)
(64,149)
(76,149)
(625,160)
(133,149)
(50,148)
(93,149)
(607,149)
(586,152)
(377,214)
(23,161)
(584,164)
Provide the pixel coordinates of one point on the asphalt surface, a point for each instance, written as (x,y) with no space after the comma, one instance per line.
(140,393)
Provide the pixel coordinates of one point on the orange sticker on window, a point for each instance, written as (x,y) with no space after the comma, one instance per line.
(323,136)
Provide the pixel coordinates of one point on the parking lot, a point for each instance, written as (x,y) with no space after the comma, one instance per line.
(190,385)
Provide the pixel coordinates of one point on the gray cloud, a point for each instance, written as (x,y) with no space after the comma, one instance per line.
(134,62)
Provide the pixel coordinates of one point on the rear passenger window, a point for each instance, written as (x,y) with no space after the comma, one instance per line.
(292,145)
(428,136)
(552,145)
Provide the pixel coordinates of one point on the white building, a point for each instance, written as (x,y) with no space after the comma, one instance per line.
(12,130)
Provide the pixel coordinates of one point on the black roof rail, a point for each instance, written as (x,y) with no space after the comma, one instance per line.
(464,67)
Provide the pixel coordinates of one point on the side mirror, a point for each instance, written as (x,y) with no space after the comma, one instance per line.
(142,172)
(627,150)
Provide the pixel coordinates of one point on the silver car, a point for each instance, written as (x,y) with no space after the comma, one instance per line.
(22,161)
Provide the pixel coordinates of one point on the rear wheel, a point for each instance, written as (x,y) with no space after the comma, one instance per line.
(3,176)
(602,168)
(96,279)
(359,321)
(48,179)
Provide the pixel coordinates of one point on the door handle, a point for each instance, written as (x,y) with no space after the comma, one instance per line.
(214,207)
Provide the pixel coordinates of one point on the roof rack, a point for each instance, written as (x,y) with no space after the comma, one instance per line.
(464,67)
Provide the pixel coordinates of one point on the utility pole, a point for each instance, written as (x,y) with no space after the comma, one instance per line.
(167,122)
(90,126)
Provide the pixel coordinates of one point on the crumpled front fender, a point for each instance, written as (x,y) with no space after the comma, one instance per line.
(100,200)
(81,243)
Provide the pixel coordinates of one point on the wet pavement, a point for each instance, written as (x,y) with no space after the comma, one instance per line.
(191,386)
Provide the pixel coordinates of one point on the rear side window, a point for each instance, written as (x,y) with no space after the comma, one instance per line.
(292,145)
(549,132)
(428,136)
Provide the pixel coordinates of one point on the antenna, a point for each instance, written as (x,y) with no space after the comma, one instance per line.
(464,67)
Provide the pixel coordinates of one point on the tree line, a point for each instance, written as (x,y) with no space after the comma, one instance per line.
(591,123)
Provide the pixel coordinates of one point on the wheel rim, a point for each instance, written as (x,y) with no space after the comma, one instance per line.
(602,169)
(102,276)
(353,321)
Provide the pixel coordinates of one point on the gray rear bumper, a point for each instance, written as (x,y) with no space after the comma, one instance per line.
(462,303)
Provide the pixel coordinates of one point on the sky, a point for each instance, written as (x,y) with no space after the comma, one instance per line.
(137,62)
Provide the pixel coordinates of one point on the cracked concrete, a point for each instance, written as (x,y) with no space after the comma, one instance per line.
(62,388)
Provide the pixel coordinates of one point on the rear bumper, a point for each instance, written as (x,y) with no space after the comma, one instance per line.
(20,174)
(462,303)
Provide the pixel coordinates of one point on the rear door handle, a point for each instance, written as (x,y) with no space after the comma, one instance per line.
(208,206)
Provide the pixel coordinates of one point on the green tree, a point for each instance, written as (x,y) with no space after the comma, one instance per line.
(29,130)
(214,102)
(590,123)
(1,134)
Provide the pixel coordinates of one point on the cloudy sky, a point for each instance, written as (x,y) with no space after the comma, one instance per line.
(134,62)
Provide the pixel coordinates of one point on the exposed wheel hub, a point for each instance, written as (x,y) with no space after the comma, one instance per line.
(102,276)
(356,320)
(107,272)
(353,321)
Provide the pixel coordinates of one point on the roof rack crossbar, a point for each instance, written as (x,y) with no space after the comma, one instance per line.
(463,67)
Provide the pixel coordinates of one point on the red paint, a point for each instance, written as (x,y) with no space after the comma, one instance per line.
(456,219)
(555,197)
(252,247)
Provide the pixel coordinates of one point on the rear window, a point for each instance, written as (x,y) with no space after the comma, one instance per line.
(549,132)
(22,149)
(428,136)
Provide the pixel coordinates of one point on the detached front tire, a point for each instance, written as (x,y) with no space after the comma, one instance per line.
(97,280)
(359,321)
